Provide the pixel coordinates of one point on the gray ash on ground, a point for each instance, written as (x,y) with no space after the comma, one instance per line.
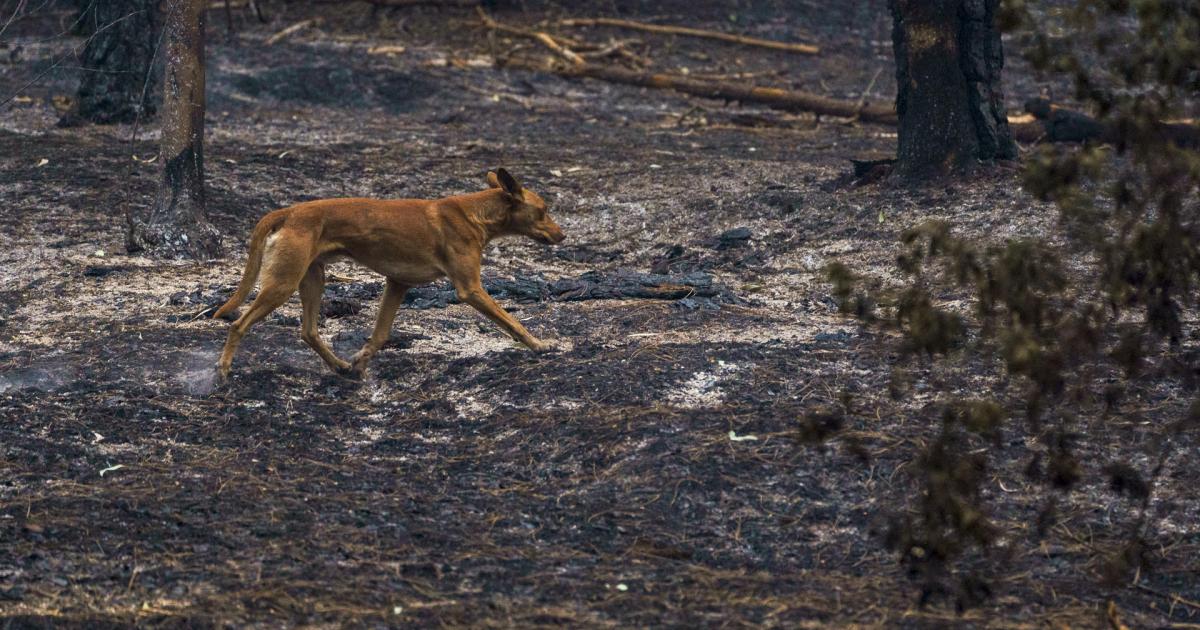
(466,481)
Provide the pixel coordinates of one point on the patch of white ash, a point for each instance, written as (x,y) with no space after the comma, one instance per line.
(198,374)
(471,408)
(703,389)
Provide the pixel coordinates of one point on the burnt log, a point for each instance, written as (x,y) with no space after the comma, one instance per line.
(1059,124)
(697,288)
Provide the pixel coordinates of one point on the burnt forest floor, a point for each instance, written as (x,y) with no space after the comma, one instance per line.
(646,473)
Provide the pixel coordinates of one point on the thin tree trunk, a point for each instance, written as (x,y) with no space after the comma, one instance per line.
(178,226)
(949,97)
(117,82)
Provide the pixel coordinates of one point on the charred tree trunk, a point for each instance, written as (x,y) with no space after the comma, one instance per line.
(178,225)
(117,83)
(949,97)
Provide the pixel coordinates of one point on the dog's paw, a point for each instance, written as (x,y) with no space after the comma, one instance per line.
(351,371)
(358,364)
(542,347)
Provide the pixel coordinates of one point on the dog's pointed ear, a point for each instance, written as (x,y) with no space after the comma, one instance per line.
(504,180)
(492,180)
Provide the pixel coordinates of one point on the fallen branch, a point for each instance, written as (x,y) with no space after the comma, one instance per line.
(772,97)
(804,49)
(544,38)
(616,48)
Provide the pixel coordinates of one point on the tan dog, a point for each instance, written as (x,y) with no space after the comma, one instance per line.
(409,241)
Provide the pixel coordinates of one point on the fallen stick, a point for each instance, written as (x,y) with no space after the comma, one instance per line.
(804,49)
(386,49)
(291,30)
(616,48)
(543,38)
(773,97)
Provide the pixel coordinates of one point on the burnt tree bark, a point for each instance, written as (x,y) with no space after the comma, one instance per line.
(117,83)
(949,98)
(177,225)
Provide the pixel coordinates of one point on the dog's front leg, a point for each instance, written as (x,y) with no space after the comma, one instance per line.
(472,292)
(393,297)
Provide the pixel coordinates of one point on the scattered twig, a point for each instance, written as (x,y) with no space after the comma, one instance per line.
(523,102)
(863,98)
(111,469)
(291,30)
(735,76)
(544,38)
(734,437)
(1175,599)
(616,48)
(385,50)
(804,49)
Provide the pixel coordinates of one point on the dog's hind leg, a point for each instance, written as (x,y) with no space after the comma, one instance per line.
(269,299)
(311,289)
(279,282)
(393,296)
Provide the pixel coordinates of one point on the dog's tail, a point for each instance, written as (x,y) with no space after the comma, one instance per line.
(258,239)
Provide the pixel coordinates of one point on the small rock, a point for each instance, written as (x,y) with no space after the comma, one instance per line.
(99,271)
(732,238)
(840,336)
(278,319)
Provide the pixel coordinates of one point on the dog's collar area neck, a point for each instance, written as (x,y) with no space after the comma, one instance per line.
(495,215)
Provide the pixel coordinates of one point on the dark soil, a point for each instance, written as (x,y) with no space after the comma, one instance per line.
(649,472)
